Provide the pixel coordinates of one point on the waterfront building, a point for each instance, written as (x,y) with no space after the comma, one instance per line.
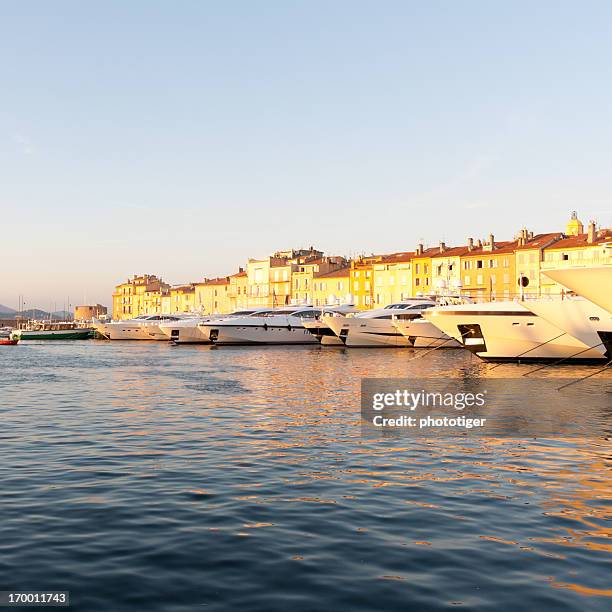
(166,302)
(182,299)
(303,275)
(270,280)
(331,288)
(361,285)
(281,270)
(528,256)
(446,268)
(392,278)
(488,270)
(237,292)
(421,270)
(87,312)
(593,248)
(212,296)
(129,298)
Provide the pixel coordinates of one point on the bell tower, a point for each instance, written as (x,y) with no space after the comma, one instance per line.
(574,225)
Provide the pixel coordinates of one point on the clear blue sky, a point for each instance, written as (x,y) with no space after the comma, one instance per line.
(181,137)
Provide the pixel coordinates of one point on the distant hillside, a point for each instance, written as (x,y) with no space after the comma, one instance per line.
(34,313)
(5,310)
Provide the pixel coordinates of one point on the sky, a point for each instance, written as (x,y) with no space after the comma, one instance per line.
(181,137)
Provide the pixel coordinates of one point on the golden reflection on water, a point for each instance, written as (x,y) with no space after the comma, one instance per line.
(306,397)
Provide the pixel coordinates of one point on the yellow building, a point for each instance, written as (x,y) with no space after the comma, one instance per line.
(421,270)
(280,280)
(303,276)
(182,299)
(392,278)
(331,288)
(237,292)
(488,271)
(590,249)
(528,256)
(258,280)
(213,295)
(166,302)
(132,298)
(152,302)
(270,280)
(361,283)
(446,268)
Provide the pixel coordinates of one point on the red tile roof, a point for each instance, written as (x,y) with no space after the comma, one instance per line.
(452,252)
(396,257)
(221,280)
(335,274)
(540,241)
(581,240)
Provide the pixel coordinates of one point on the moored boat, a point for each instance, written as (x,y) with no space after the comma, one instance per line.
(321,330)
(509,331)
(283,325)
(53,330)
(374,328)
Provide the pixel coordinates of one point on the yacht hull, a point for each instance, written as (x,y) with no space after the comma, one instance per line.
(592,283)
(59,334)
(424,334)
(510,332)
(367,333)
(127,331)
(186,333)
(260,334)
(323,333)
(587,322)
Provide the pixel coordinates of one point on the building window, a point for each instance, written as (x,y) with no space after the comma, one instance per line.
(356,285)
(479,264)
(467,280)
(479,279)
(417,282)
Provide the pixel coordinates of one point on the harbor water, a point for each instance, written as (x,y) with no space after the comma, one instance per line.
(144,476)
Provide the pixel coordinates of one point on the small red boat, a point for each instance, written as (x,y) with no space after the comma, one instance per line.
(8,341)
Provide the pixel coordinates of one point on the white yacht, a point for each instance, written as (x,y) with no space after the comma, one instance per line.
(278,326)
(509,331)
(422,333)
(580,318)
(197,331)
(593,283)
(375,328)
(137,328)
(321,330)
